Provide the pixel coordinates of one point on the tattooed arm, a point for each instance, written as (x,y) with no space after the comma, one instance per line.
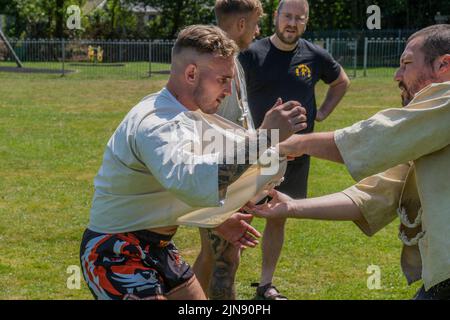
(229,173)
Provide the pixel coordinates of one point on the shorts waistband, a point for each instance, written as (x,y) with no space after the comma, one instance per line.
(151,237)
(144,236)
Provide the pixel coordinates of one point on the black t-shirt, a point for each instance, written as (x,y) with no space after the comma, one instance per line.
(271,73)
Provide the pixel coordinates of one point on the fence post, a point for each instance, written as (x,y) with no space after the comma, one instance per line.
(150,58)
(63,47)
(330,46)
(366,46)
(355,60)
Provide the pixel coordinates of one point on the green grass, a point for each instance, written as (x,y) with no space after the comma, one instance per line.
(129,71)
(53,132)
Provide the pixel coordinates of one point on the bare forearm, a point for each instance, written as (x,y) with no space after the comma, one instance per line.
(333,97)
(336,207)
(335,93)
(321,145)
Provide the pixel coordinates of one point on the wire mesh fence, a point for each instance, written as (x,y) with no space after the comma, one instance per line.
(131,59)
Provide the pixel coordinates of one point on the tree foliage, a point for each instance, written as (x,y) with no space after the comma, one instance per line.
(46,18)
(176,14)
(36,18)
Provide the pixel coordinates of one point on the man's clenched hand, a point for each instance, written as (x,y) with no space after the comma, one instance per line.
(288,118)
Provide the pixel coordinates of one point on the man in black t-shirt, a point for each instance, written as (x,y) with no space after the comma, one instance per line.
(288,67)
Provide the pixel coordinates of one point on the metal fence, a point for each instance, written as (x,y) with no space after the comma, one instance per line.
(345,51)
(374,57)
(382,55)
(92,58)
(130,59)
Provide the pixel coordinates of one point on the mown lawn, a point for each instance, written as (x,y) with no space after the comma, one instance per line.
(99,71)
(52,134)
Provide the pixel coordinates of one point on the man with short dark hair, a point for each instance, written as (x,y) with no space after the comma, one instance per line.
(285,65)
(410,146)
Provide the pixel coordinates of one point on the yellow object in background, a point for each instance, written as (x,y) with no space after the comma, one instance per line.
(99,54)
(91,54)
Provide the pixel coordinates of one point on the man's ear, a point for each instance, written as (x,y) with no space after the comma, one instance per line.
(191,73)
(241,25)
(443,64)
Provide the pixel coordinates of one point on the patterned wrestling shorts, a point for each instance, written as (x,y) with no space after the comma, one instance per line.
(132,265)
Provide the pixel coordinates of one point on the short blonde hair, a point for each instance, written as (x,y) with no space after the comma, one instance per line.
(227,8)
(205,39)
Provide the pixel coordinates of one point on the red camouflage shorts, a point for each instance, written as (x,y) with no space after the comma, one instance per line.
(132,265)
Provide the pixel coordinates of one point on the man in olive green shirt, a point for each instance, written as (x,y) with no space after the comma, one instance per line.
(411,147)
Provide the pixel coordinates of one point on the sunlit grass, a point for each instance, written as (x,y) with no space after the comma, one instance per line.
(53,132)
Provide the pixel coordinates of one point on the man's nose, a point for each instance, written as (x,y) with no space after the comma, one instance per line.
(227,90)
(257,31)
(292,22)
(398,75)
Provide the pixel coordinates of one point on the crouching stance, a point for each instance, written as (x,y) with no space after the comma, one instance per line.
(154,177)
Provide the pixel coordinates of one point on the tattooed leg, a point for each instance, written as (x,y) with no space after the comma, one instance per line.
(226,261)
(217,263)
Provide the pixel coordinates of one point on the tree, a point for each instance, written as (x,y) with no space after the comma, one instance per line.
(37,18)
(267,26)
(176,14)
(46,18)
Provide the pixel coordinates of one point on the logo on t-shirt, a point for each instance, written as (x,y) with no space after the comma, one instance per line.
(303,71)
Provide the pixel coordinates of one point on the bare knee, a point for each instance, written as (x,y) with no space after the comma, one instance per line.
(190,290)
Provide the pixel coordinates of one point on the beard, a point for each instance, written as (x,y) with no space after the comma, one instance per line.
(203,100)
(409,91)
(242,44)
(284,39)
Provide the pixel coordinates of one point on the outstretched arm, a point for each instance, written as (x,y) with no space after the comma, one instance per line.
(389,138)
(337,207)
(320,145)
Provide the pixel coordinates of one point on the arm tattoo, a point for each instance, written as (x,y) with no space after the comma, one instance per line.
(229,173)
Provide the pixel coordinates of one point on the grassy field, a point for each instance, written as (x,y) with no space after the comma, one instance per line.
(99,71)
(52,135)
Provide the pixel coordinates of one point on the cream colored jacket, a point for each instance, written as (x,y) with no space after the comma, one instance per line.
(159,170)
(411,147)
